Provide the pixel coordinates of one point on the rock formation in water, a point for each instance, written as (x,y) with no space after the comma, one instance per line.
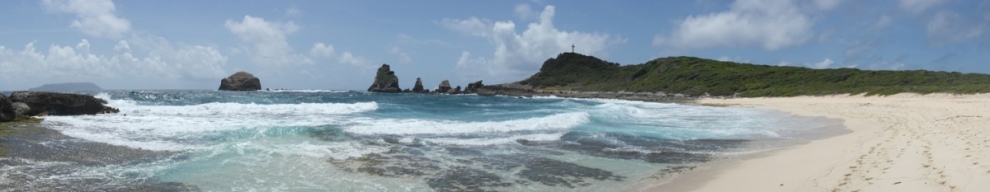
(60,103)
(63,87)
(444,87)
(455,90)
(6,109)
(473,87)
(418,88)
(240,81)
(385,81)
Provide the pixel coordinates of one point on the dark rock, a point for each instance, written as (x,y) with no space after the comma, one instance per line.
(473,87)
(385,81)
(510,89)
(240,81)
(62,87)
(418,88)
(455,90)
(559,173)
(466,179)
(20,109)
(444,87)
(6,109)
(60,103)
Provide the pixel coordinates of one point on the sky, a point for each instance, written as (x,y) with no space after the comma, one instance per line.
(339,45)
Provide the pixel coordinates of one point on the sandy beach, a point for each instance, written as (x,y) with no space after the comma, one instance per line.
(904,142)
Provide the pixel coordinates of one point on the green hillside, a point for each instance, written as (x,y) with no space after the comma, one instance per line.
(696,76)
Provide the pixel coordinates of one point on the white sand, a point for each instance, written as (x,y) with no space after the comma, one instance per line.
(904,142)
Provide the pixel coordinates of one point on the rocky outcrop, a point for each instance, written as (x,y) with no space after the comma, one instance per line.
(473,87)
(60,103)
(240,81)
(509,89)
(6,109)
(455,90)
(20,109)
(385,81)
(418,88)
(444,87)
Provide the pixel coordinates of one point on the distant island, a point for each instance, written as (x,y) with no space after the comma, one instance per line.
(67,87)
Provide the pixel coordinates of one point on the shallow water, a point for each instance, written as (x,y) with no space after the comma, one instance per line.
(356,141)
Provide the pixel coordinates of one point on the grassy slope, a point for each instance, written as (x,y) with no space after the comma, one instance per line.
(696,76)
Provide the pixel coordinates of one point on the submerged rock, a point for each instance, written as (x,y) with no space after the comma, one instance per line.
(6,109)
(444,87)
(385,81)
(60,103)
(240,81)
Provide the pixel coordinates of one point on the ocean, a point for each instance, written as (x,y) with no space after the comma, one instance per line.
(323,140)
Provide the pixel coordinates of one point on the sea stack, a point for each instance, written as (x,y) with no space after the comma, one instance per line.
(385,81)
(418,88)
(444,87)
(240,81)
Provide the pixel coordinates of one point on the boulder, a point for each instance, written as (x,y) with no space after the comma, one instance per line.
(418,88)
(60,103)
(473,87)
(444,87)
(20,109)
(385,81)
(6,109)
(240,81)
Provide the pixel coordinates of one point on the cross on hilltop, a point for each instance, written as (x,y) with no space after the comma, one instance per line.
(572,48)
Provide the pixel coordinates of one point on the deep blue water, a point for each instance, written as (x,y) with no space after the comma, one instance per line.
(356,141)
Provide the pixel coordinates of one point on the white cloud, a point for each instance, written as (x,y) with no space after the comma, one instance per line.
(821,65)
(517,55)
(403,57)
(68,63)
(768,24)
(93,17)
(293,12)
(827,4)
(349,59)
(321,50)
(471,26)
(525,12)
(918,6)
(948,27)
(270,47)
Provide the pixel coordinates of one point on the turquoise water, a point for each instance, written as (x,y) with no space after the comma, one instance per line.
(316,140)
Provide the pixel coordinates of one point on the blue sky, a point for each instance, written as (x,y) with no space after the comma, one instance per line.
(339,44)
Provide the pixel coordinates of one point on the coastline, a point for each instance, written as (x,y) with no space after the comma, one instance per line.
(903,142)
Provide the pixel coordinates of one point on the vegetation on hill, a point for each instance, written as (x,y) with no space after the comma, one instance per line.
(696,76)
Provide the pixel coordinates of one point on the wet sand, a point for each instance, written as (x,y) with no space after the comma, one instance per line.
(904,142)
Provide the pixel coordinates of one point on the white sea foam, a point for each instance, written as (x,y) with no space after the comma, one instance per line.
(496,140)
(561,121)
(174,127)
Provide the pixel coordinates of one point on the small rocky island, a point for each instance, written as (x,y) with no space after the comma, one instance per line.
(240,81)
(385,81)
